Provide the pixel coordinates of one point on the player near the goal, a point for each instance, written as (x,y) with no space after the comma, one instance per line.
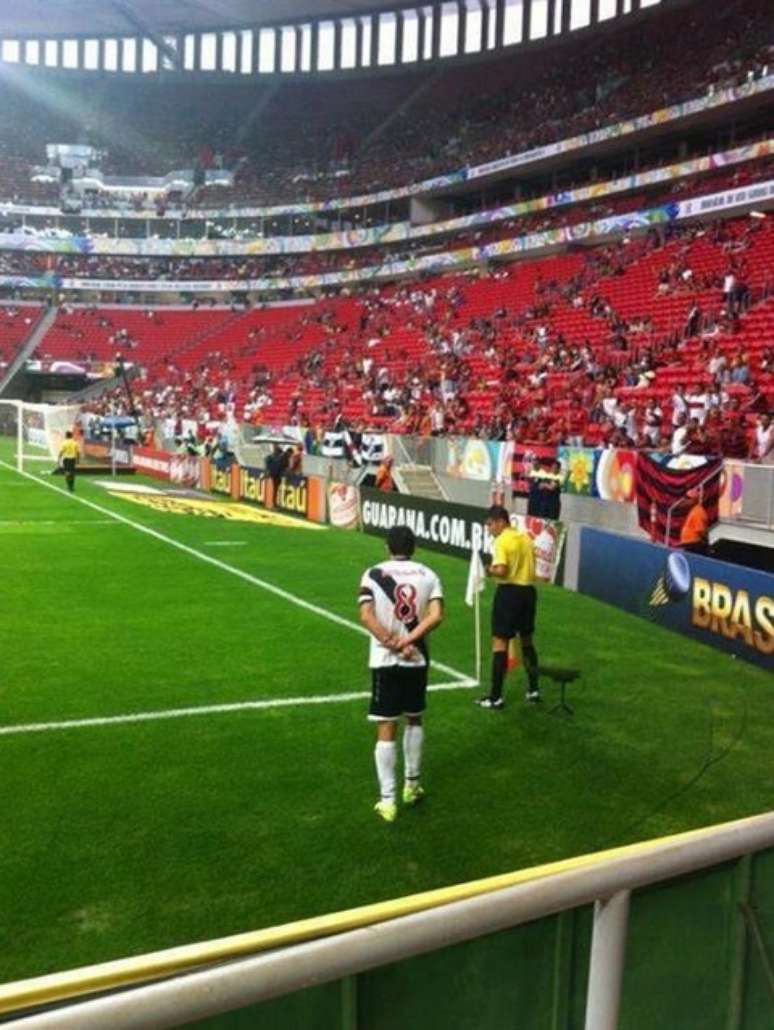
(69,453)
(401,602)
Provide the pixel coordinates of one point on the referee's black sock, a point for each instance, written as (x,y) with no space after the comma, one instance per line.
(499,665)
(531,665)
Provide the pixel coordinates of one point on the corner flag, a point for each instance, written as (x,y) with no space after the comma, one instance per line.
(476,579)
(476,582)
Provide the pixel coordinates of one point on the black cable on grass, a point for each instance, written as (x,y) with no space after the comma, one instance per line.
(705,766)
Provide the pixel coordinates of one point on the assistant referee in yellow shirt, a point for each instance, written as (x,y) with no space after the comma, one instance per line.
(69,454)
(515,602)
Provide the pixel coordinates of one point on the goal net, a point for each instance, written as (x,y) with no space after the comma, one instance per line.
(34,432)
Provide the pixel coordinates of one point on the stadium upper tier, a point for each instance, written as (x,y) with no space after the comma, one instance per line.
(127,263)
(607,346)
(290,140)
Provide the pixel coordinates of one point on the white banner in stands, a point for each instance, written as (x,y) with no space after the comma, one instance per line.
(725,95)
(395,232)
(757,193)
(533,243)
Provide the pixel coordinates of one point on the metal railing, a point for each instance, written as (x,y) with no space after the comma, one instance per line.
(605,880)
(750,490)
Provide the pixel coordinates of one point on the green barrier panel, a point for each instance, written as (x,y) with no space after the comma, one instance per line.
(698,957)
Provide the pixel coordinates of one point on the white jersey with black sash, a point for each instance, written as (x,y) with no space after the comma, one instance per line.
(400,590)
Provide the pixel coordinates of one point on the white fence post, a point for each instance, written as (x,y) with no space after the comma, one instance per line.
(608,948)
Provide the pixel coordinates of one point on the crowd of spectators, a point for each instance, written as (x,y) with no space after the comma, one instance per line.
(506,106)
(446,120)
(510,372)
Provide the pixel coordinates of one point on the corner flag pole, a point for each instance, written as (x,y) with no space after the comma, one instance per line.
(19,435)
(112,439)
(477,623)
(475,584)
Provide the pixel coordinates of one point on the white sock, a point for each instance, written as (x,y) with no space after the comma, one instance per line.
(385,768)
(413,737)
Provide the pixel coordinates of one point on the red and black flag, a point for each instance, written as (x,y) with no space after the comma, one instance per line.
(525,458)
(661,488)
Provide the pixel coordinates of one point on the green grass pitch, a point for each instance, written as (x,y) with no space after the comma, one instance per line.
(123,837)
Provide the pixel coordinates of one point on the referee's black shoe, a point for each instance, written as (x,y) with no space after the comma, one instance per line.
(490,702)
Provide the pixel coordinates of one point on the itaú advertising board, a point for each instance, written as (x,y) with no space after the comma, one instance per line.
(296,495)
(726,606)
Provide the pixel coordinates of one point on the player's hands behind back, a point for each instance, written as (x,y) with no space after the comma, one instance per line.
(397,644)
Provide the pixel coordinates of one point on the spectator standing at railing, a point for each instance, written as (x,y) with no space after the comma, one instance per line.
(545,490)
(274,468)
(679,406)
(762,449)
(680,437)
(694,534)
(698,404)
(652,418)
(383,480)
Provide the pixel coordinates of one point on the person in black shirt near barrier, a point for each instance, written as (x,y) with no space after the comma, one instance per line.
(275,466)
(545,490)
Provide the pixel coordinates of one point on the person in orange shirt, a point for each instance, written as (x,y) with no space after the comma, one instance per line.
(694,535)
(384,480)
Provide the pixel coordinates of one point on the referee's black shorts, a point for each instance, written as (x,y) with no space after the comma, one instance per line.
(397,690)
(68,464)
(513,611)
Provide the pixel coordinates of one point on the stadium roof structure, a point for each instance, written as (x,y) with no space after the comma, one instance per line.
(47,18)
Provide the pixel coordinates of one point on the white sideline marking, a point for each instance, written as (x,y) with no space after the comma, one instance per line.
(225,543)
(262,583)
(119,486)
(182,713)
(56,522)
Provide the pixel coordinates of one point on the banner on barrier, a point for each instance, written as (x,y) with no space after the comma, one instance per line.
(455,529)
(615,475)
(184,470)
(224,479)
(343,507)
(296,495)
(102,452)
(524,458)
(663,484)
(152,462)
(609,474)
(472,458)
(727,606)
(731,490)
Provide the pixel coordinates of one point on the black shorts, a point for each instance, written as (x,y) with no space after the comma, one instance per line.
(397,690)
(513,611)
(68,464)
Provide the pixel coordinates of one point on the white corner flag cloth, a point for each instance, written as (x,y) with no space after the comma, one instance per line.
(476,578)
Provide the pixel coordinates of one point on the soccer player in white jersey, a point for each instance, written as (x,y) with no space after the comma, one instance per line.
(401,601)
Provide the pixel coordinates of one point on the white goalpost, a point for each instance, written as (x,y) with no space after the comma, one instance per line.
(37,430)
